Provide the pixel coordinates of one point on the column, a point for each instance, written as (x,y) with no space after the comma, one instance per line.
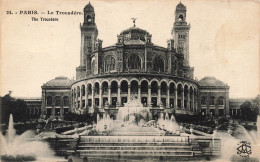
(43,106)
(119,95)
(139,93)
(188,100)
(80,98)
(196,100)
(76,105)
(71,99)
(86,97)
(207,107)
(159,96)
(100,97)
(168,97)
(193,100)
(129,92)
(62,109)
(175,98)
(109,95)
(182,96)
(53,108)
(93,97)
(149,96)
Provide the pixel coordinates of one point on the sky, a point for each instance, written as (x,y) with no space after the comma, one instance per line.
(224,39)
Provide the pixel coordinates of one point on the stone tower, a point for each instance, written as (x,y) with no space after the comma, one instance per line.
(89,33)
(180,32)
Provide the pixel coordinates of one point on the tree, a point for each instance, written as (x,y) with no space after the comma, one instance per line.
(249,111)
(10,105)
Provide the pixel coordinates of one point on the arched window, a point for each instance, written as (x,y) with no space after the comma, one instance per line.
(83,90)
(179,89)
(66,101)
(203,100)
(49,101)
(221,100)
(134,87)
(144,87)
(158,64)
(110,63)
(163,88)
(104,87)
(212,100)
(172,89)
(57,101)
(114,87)
(78,91)
(124,86)
(89,19)
(154,87)
(96,90)
(134,62)
(180,17)
(89,89)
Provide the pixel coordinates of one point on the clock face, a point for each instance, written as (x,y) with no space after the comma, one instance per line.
(89,20)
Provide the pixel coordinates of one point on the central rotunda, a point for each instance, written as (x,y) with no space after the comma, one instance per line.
(160,78)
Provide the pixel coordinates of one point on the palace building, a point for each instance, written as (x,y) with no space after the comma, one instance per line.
(160,78)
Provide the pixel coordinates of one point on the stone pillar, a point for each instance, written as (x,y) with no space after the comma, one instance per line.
(193,100)
(129,92)
(139,93)
(159,96)
(175,98)
(80,97)
(86,97)
(53,108)
(207,107)
(149,96)
(109,95)
(182,96)
(93,97)
(62,109)
(188,100)
(76,106)
(119,95)
(196,100)
(43,107)
(100,97)
(168,97)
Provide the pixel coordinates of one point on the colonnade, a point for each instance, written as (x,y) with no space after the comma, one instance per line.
(154,93)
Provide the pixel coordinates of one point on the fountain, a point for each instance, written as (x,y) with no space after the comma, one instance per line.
(104,124)
(133,135)
(24,147)
(133,108)
(230,142)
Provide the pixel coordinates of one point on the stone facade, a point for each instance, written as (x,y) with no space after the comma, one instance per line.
(56,97)
(214,97)
(160,78)
(134,66)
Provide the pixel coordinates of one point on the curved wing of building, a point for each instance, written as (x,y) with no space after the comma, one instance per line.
(160,78)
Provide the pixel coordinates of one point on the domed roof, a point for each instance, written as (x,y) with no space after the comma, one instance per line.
(89,7)
(180,6)
(59,82)
(134,29)
(211,81)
